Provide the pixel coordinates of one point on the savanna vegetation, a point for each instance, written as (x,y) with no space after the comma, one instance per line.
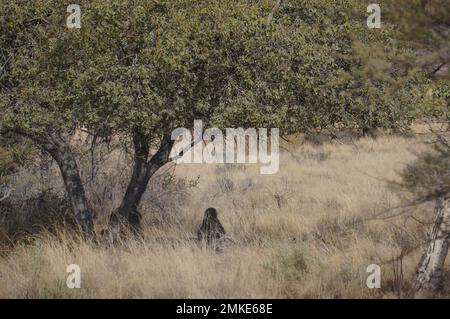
(86,116)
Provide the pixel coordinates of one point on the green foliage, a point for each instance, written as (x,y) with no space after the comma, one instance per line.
(14,153)
(428,177)
(58,289)
(422,26)
(156,65)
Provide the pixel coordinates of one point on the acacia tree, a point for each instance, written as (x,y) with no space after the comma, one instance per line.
(423,26)
(140,69)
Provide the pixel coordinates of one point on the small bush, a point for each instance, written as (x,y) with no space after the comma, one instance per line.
(24,217)
(58,289)
(290,266)
(428,177)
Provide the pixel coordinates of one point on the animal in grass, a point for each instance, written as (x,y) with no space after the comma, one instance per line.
(211,230)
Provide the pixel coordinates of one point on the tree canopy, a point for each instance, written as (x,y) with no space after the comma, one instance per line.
(141,68)
(157,65)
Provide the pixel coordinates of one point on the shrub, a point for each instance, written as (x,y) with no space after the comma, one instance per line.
(428,177)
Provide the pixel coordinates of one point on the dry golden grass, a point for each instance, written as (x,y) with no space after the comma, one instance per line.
(309,231)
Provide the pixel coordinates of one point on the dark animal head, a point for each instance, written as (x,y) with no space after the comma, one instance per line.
(211,213)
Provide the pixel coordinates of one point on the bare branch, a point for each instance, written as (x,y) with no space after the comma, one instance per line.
(184,150)
(7,194)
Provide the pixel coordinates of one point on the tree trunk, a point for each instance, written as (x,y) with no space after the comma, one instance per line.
(143,170)
(62,153)
(430,269)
